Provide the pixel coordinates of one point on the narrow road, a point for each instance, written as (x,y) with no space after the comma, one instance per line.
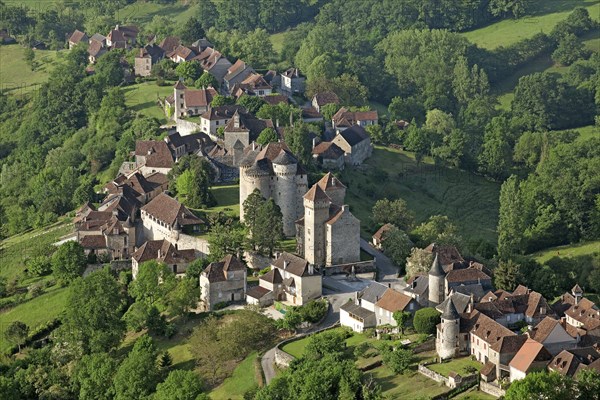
(388,272)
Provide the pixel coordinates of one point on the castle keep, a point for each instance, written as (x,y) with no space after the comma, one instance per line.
(276,173)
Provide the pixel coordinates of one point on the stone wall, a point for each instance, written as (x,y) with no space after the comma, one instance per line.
(433,375)
(491,389)
(465,381)
(191,242)
(185,127)
(359,268)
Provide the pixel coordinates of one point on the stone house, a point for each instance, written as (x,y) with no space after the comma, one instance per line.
(253,85)
(153,156)
(531,357)
(344,119)
(216,117)
(292,82)
(379,236)
(213,62)
(417,288)
(500,355)
(196,143)
(169,44)
(393,301)
(356,144)
(76,38)
(165,218)
(164,252)
(101,233)
(236,73)
(328,234)
(181,54)
(143,188)
(242,129)
(95,50)
(329,156)
(291,279)
(277,174)
(570,362)
(149,55)
(122,37)
(190,102)
(222,282)
(552,335)
(324,98)
(581,316)
(310,114)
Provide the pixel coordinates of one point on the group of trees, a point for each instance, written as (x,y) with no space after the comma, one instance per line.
(190,180)
(552,385)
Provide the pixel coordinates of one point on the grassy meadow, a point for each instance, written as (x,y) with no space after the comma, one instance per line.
(470,201)
(16,77)
(142,98)
(546,15)
(571,250)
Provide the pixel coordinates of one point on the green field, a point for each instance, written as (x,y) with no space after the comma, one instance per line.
(277,41)
(547,14)
(242,380)
(470,201)
(142,12)
(16,76)
(228,200)
(15,250)
(35,312)
(407,386)
(142,98)
(474,394)
(573,250)
(458,365)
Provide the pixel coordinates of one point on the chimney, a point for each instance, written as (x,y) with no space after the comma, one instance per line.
(159,253)
(285,264)
(311,269)
(117,27)
(314,142)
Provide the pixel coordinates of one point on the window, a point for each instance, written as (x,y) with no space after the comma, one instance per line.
(181,97)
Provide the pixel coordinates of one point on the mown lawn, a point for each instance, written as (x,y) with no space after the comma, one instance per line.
(458,365)
(16,76)
(474,395)
(410,385)
(297,347)
(142,12)
(242,380)
(35,312)
(15,250)
(470,201)
(573,250)
(142,98)
(228,200)
(547,14)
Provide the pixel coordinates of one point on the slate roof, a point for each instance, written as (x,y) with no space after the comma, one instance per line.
(394,301)
(356,311)
(354,135)
(450,312)
(459,300)
(373,292)
(418,284)
(170,43)
(436,267)
(273,276)
(315,194)
(291,73)
(293,264)
(222,112)
(509,344)
(257,292)
(275,99)
(168,210)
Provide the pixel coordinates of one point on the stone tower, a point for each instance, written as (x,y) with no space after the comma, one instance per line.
(436,282)
(577,293)
(316,213)
(333,188)
(447,340)
(254,176)
(178,94)
(285,167)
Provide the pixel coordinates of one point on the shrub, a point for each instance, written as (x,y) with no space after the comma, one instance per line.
(313,311)
(35,290)
(221,305)
(426,319)
(361,349)
(398,360)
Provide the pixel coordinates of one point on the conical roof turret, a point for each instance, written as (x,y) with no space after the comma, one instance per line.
(450,312)
(436,267)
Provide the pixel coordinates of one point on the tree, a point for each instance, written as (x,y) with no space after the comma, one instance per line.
(195,268)
(264,221)
(192,30)
(436,229)
(29,57)
(298,139)
(508,275)
(588,384)
(542,385)
(93,376)
(395,212)
(291,320)
(154,280)
(179,385)
(350,91)
(407,108)
(108,69)
(226,238)
(426,320)
(183,298)
(206,80)
(251,103)
(282,113)
(68,262)
(401,318)
(326,343)
(92,317)
(397,246)
(420,260)
(329,110)
(189,70)
(268,135)
(515,8)
(569,50)
(220,100)
(138,374)
(192,178)
(511,223)
(376,133)
(16,333)
(207,351)
(398,360)
(137,316)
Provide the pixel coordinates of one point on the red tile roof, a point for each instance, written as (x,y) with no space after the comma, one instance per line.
(531,352)
(393,301)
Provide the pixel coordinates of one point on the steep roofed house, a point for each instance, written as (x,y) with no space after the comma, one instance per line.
(95,50)
(292,82)
(571,362)
(201,44)
(253,85)
(417,287)
(102,233)
(243,128)
(324,98)
(581,316)
(356,317)
(291,279)
(344,119)
(329,156)
(356,144)
(76,38)
(275,99)
(236,74)
(196,143)
(122,37)
(164,252)
(216,117)
(531,357)
(148,55)
(310,114)
(190,102)
(468,276)
(169,44)
(214,63)
(484,334)
(165,218)
(222,282)
(181,54)
(143,188)
(552,335)
(501,354)
(393,301)
(153,156)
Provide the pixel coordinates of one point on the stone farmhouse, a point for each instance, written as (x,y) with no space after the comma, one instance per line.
(580,315)
(236,73)
(328,234)
(531,357)
(222,281)
(166,218)
(276,173)
(216,117)
(375,306)
(242,129)
(102,234)
(189,102)
(291,279)
(153,156)
(76,38)
(148,55)
(324,98)
(356,144)
(164,252)
(571,362)
(379,236)
(344,119)
(329,156)
(213,62)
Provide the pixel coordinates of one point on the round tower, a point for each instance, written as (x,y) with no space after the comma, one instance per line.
(256,176)
(437,278)
(447,340)
(285,167)
(316,213)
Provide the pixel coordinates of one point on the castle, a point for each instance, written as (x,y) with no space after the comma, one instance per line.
(277,174)
(328,234)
